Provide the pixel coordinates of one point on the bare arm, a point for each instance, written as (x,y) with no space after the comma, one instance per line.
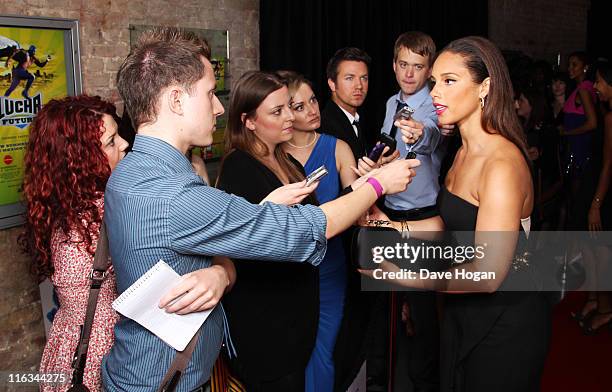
(502,194)
(427,229)
(40,63)
(344,162)
(603,184)
(345,210)
(589,111)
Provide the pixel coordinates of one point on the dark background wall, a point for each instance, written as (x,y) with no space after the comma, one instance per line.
(540,28)
(303,35)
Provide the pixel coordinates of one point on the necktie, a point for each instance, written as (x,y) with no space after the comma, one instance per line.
(393,130)
(360,136)
(356,124)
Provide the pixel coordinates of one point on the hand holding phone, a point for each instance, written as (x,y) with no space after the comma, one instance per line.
(385,141)
(316,175)
(376,152)
(405,113)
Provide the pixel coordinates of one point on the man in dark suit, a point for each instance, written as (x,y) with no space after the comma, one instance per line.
(347,77)
(361,330)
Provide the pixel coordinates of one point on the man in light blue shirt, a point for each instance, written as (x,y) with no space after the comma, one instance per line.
(157,207)
(413,57)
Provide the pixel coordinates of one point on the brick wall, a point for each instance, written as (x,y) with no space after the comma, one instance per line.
(104,43)
(539,28)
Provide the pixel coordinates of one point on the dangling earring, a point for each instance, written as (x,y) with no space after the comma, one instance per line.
(481,103)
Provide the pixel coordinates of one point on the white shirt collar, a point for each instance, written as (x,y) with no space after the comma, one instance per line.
(350,116)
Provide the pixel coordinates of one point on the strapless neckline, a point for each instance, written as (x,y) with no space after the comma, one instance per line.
(459,197)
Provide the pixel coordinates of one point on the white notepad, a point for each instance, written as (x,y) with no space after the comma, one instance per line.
(140,303)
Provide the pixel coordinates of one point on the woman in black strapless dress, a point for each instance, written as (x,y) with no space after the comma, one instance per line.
(492,339)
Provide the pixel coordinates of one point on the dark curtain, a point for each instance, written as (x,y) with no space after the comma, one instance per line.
(303,35)
(598,26)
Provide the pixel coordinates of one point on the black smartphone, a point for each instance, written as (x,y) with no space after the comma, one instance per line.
(389,141)
(385,141)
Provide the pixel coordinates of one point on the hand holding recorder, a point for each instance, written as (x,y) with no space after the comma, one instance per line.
(291,194)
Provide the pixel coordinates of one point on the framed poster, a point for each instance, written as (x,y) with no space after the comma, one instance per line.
(218,40)
(39,61)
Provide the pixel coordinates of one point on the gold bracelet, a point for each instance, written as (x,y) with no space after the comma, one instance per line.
(597,201)
(405,229)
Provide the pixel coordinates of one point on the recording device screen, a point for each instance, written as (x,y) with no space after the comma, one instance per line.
(404,113)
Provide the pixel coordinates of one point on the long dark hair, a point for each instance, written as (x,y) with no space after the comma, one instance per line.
(540,112)
(484,60)
(249,92)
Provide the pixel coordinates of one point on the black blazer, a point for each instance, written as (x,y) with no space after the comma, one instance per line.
(273,308)
(334,122)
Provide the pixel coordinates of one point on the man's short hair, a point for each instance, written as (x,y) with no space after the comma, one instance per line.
(346,54)
(162,57)
(416,41)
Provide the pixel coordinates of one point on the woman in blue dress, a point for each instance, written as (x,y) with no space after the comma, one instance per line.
(313,149)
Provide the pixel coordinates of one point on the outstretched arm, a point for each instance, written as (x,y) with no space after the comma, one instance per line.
(40,63)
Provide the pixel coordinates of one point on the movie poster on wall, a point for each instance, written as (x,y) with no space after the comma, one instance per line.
(33,72)
(38,62)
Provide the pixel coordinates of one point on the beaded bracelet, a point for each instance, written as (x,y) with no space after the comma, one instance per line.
(378,222)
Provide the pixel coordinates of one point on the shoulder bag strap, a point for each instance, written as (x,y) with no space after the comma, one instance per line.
(178,365)
(97,276)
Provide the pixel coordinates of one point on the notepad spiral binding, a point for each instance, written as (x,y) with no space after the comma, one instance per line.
(140,281)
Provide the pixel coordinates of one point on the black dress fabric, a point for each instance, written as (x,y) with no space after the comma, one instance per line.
(273,307)
(490,342)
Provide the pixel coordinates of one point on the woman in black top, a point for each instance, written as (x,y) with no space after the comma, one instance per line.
(273,307)
(491,339)
(543,151)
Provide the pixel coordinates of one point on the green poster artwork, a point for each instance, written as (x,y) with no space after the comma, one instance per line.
(32,72)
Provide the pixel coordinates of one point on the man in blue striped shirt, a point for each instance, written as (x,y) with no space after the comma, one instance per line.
(157,207)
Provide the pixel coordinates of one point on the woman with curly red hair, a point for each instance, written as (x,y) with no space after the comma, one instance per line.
(72,149)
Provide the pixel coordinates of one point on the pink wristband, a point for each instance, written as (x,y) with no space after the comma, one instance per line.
(376,185)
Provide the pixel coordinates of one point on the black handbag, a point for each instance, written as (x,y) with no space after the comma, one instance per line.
(365,238)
